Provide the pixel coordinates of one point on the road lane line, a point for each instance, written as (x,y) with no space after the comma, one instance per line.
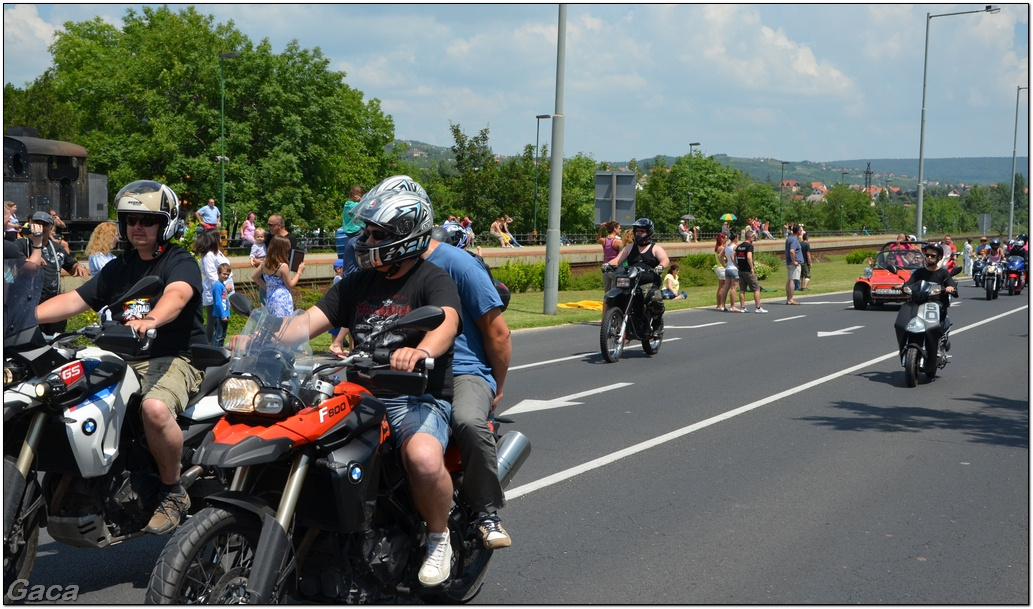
(657,441)
(775,321)
(578,356)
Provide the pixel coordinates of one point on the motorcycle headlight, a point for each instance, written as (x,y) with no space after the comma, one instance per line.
(269,403)
(623,282)
(916,325)
(935,291)
(237,394)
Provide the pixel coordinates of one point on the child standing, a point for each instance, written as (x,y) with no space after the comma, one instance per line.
(221,305)
(275,277)
(258,258)
(337,347)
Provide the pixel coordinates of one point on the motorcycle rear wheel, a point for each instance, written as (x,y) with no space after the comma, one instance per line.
(611,343)
(989,292)
(208,560)
(651,344)
(911,367)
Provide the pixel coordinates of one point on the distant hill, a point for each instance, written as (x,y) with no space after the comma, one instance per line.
(902,173)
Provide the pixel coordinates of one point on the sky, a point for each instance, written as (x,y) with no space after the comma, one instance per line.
(800,82)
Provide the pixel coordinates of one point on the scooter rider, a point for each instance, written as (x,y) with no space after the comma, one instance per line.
(933,273)
(148,215)
(651,255)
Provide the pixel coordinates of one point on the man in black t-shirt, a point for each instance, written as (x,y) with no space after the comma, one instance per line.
(147,217)
(747,270)
(393,279)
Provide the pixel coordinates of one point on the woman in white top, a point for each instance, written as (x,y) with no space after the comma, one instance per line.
(207,247)
(731,274)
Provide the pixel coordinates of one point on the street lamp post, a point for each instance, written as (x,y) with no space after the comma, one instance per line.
(1015,144)
(921,142)
(689,178)
(222,131)
(781,188)
(537,135)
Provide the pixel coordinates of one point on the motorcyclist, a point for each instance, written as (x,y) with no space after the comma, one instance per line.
(392,280)
(994,253)
(1020,247)
(650,255)
(148,214)
(933,273)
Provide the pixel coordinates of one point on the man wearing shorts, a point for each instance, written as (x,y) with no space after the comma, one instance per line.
(147,217)
(794,260)
(747,272)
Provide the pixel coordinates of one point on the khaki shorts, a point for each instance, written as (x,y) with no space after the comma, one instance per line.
(171,380)
(748,282)
(792,272)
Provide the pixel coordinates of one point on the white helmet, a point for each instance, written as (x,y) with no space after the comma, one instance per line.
(148,197)
(408,218)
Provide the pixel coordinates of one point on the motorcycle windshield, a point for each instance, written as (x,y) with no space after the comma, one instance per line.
(269,346)
(23,282)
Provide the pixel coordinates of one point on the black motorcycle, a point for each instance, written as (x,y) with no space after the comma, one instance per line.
(73,413)
(923,335)
(978,270)
(627,317)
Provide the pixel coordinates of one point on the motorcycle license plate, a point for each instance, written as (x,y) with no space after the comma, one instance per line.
(623,282)
(887,291)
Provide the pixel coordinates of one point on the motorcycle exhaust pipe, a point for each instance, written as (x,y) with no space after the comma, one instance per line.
(190,476)
(513,449)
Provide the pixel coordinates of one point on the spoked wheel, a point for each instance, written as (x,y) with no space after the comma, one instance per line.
(611,342)
(208,560)
(651,345)
(911,367)
(20,554)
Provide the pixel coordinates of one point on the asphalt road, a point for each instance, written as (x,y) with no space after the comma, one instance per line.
(767,459)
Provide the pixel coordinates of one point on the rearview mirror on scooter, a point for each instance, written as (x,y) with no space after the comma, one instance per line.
(240,304)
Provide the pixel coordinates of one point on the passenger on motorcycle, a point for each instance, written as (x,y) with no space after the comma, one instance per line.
(148,215)
(650,255)
(933,273)
(393,279)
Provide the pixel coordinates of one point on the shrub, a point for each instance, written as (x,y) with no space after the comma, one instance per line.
(762,270)
(521,276)
(860,256)
(696,261)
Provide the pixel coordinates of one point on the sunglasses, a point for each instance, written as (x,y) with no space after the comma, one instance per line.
(937,256)
(145,221)
(379,235)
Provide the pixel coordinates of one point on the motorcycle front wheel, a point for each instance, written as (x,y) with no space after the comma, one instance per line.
(1011,287)
(611,342)
(19,560)
(207,561)
(911,367)
(989,292)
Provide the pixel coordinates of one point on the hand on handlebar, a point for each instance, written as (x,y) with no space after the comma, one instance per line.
(659,269)
(145,328)
(406,358)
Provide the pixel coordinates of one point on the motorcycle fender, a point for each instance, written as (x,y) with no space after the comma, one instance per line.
(241,500)
(249,451)
(274,547)
(14,488)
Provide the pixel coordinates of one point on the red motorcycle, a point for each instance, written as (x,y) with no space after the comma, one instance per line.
(320,509)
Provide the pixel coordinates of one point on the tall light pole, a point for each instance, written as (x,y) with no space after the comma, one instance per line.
(781,188)
(921,142)
(689,178)
(536,149)
(222,133)
(1015,144)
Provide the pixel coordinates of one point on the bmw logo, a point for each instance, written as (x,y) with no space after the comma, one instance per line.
(355,473)
(89,426)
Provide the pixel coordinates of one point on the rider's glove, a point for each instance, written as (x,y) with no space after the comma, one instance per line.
(659,269)
(606,267)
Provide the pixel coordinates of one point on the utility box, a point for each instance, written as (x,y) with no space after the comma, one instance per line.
(615,197)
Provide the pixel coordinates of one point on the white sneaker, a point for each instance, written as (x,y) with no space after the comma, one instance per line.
(437,566)
(761,310)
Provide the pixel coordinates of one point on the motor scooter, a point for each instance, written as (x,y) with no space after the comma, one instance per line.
(923,331)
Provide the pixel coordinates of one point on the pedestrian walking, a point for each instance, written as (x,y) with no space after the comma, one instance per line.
(793,260)
(747,270)
(966,254)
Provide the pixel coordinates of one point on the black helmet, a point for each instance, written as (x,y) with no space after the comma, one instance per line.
(933,248)
(452,234)
(995,243)
(405,215)
(1022,239)
(645,223)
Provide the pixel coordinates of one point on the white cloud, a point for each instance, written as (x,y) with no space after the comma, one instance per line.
(26,39)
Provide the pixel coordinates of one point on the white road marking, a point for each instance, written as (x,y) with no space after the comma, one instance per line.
(567,400)
(715,323)
(674,435)
(578,356)
(788,318)
(842,332)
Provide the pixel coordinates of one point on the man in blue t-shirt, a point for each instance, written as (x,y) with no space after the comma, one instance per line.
(482,352)
(209,216)
(794,260)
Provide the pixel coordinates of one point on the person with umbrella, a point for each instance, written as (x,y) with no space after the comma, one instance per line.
(683,230)
(726,228)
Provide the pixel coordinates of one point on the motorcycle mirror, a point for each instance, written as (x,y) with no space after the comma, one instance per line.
(240,304)
(957,271)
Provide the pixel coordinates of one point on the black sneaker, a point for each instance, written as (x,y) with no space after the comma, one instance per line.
(172,509)
(493,536)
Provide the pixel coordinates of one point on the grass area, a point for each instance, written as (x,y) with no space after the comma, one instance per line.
(829,274)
